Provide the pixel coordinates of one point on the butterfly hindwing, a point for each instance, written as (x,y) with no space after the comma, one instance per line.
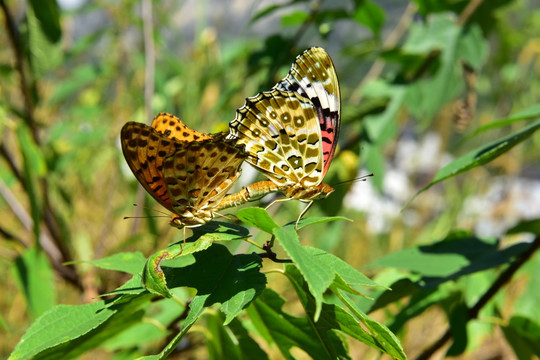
(172,127)
(281,133)
(313,76)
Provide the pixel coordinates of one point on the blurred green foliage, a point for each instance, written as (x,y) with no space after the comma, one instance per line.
(464,73)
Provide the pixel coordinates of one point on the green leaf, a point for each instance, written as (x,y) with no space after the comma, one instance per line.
(258,218)
(294,18)
(196,308)
(249,347)
(286,331)
(318,267)
(319,220)
(34,169)
(480,156)
(382,127)
(77,328)
(45,55)
(153,276)
(527,226)
(369,14)
(451,258)
(523,335)
(526,305)
(129,262)
(230,341)
(532,112)
(203,237)
(158,318)
(442,39)
(219,231)
(48,14)
(35,279)
(458,327)
(220,277)
(377,335)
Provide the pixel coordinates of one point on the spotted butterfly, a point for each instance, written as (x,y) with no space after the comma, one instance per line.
(189,178)
(291,131)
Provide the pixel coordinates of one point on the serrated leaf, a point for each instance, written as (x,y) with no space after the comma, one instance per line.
(320,220)
(258,218)
(196,308)
(480,156)
(77,328)
(317,266)
(231,280)
(315,338)
(382,337)
(128,262)
(159,316)
(219,231)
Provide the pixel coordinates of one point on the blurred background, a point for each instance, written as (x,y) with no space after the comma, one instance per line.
(417,80)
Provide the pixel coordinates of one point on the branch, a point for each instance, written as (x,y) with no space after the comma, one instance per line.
(52,238)
(13,36)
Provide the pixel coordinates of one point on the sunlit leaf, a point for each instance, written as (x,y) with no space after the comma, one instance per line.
(258,218)
(77,328)
(481,156)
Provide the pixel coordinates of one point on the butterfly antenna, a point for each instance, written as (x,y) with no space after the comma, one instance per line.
(145,217)
(152,209)
(361,178)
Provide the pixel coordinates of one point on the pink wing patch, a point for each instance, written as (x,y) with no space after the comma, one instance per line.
(313,76)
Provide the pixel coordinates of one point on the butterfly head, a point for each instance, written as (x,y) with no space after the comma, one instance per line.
(191,219)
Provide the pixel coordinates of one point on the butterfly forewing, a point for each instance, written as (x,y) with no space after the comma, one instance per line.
(313,76)
(172,127)
(199,175)
(281,133)
(145,150)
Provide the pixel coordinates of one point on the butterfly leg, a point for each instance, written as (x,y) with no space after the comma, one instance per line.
(276,201)
(226,217)
(310,202)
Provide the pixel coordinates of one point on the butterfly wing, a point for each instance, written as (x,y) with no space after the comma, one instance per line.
(172,127)
(200,174)
(281,133)
(145,150)
(313,75)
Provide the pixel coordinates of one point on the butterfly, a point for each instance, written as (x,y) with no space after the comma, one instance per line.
(189,178)
(291,131)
